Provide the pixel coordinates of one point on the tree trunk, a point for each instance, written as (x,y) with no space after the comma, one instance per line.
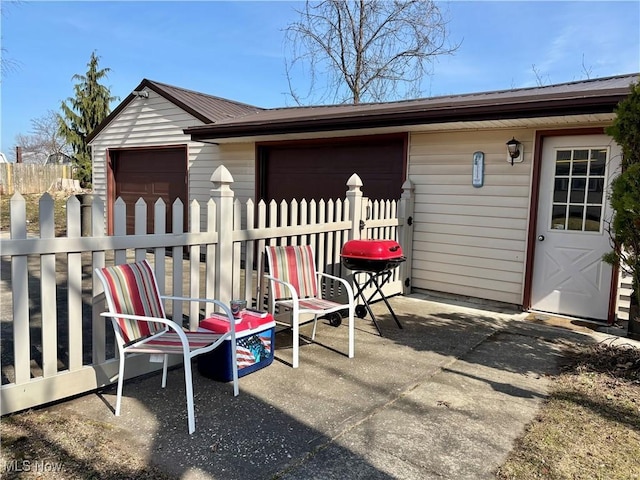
(633,329)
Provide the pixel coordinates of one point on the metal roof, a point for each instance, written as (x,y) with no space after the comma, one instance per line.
(229,119)
(206,108)
(581,97)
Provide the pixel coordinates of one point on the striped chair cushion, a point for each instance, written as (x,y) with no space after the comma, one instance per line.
(134,291)
(313,304)
(295,265)
(170,343)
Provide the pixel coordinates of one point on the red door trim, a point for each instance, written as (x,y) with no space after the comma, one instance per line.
(111,190)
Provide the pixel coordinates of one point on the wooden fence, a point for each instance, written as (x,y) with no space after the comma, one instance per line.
(55,344)
(31,178)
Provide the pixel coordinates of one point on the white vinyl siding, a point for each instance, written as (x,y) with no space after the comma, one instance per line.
(470,241)
(156,122)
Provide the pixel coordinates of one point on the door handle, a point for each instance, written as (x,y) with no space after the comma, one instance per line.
(541,238)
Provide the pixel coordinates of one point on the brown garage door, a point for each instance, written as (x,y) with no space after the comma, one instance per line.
(320,169)
(150,174)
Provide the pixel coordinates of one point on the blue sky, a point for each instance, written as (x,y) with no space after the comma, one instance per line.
(236,49)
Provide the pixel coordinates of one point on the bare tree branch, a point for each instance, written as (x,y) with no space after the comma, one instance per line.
(364,50)
(536,72)
(43,140)
(585,70)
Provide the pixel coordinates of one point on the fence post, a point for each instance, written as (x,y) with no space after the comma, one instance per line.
(222,195)
(86,200)
(354,195)
(405,233)
(99,335)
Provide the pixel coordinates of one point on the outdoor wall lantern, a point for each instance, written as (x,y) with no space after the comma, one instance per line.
(516,154)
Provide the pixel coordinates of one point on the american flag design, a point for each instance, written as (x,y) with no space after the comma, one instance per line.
(253,349)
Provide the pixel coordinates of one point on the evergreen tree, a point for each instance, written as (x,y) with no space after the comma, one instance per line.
(83,113)
(626,127)
(625,190)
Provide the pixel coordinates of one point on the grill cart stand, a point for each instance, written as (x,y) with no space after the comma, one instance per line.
(377,280)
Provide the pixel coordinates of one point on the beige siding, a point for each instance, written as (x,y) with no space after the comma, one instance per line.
(470,241)
(155,121)
(238,158)
(623,300)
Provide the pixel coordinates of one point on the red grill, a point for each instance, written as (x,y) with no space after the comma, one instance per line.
(374,259)
(371,255)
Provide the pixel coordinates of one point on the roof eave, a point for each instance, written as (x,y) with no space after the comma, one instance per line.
(398,117)
(155,88)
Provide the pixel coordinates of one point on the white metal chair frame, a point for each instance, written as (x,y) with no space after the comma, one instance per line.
(187,344)
(294,301)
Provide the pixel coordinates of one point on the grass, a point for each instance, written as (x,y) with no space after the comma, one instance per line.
(43,444)
(589,428)
(32,209)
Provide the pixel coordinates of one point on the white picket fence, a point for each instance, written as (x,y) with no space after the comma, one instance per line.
(55,344)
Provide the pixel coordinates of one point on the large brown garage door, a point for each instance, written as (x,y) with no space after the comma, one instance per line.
(150,174)
(320,169)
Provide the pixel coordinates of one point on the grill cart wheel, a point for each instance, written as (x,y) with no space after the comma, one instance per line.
(335,319)
(361,311)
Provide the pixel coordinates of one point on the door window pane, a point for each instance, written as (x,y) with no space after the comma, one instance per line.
(595,191)
(563,162)
(592,222)
(597,164)
(558,217)
(574,222)
(561,190)
(580,162)
(578,190)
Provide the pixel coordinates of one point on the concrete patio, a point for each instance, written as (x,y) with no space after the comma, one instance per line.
(444,397)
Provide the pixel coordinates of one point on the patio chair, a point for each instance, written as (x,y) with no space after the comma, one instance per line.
(296,285)
(141,327)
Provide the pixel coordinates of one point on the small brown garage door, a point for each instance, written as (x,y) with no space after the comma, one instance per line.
(320,169)
(150,174)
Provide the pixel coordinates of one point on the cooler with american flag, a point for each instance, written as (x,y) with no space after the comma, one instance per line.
(255,338)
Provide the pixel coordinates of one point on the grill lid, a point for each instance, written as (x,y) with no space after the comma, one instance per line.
(372,249)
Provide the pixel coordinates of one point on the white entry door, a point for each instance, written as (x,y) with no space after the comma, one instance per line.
(569,276)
